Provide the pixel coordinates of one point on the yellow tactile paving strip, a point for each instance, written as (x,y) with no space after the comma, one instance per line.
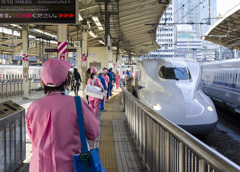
(107,144)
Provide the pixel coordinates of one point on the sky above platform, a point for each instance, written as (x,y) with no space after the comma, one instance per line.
(224,6)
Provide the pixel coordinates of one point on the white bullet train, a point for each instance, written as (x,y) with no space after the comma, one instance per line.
(221,81)
(172,87)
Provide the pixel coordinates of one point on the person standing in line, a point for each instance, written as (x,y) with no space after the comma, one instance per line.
(110,82)
(87,76)
(94,102)
(52,123)
(106,78)
(77,81)
(117,80)
(100,76)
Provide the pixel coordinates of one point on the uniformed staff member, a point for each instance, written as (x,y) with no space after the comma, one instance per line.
(52,123)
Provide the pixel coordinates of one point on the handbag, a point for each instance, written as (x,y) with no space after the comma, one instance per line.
(95,91)
(87,160)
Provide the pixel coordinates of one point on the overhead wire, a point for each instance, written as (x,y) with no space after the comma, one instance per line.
(176,11)
(190,11)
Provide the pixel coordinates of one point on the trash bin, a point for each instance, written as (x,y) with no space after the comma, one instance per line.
(12,136)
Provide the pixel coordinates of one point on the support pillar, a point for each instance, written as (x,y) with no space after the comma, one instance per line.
(25,62)
(114,63)
(135,62)
(120,65)
(62,36)
(38,59)
(83,65)
(10,58)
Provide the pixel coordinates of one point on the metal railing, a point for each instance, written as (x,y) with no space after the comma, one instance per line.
(11,87)
(165,147)
(12,136)
(15,87)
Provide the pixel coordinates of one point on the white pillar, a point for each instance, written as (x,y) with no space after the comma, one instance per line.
(80,64)
(25,63)
(114,62)
(62,35)
(120,65)
(135,61)
(10,58)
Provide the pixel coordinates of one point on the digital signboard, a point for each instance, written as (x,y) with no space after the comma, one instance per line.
(38,11)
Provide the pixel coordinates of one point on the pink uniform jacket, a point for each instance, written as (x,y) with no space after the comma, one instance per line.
(53,130)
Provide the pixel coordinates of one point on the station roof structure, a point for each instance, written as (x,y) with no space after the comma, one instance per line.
(128,19)
(226,31)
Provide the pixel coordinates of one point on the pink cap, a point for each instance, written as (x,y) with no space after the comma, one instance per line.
(54,72)
(104,71)
(93,70)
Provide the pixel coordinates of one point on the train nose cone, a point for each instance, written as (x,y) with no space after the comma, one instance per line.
(194,109)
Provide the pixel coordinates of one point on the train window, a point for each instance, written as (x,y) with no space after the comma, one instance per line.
(21,76)
(6,76)
(178,73)
(12,76)
(236,75)
(3,76)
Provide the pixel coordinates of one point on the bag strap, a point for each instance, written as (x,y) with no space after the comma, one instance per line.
(94,80)
(83,138)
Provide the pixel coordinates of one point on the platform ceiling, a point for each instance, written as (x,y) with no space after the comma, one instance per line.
(127,25)
(226,31)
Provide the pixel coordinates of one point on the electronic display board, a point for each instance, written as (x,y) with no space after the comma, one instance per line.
(38,11)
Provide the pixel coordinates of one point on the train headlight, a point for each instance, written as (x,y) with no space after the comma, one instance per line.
(210,108)
(157,107)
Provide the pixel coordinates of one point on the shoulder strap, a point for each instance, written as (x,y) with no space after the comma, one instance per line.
(94,80)
(83,138)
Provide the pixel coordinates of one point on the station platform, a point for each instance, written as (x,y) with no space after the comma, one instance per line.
(117,150)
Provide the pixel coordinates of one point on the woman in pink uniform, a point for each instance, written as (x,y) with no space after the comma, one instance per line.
(106,78)
(117,80)
(95,102)
(52,123)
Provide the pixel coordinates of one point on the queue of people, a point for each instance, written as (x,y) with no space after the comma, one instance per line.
(51,118)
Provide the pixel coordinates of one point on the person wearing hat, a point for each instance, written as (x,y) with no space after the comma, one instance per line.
(110,81)
(106,78)
(117,80)
(94,102)
(52,123)
(100,76)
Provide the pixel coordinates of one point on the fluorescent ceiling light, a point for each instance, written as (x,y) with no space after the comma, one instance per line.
(15,25)
(80,17)
(101,42)
(44,32)
(92,34)
(97,22)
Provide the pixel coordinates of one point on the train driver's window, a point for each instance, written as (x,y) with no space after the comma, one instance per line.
(162,72)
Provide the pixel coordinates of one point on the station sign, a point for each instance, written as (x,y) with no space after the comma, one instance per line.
(39,11)
(55,49)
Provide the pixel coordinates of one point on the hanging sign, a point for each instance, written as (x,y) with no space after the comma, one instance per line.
(84,57)
(39,11)
(25,60)
(62,56)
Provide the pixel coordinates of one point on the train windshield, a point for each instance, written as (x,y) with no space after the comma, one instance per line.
(178,73)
